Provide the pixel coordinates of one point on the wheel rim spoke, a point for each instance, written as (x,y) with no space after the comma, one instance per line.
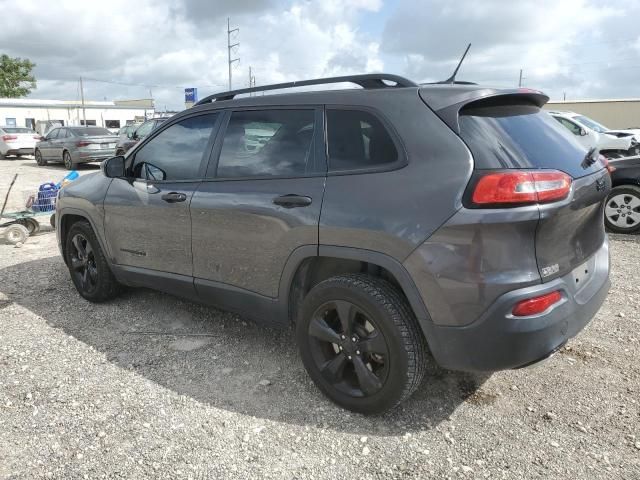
(346,314)
(333,370)
(373,344)
(369,382)
(319,329)
(77,264)
(85,277)
(77,242)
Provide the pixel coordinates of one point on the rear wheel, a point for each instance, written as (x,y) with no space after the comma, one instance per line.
(31,225)
(39,160)
(361,343)
(68,163)
(16,233)
(88,266)
(622,210)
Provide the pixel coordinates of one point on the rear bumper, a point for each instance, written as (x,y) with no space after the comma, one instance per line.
(93,155)
(499,341)
(20,151)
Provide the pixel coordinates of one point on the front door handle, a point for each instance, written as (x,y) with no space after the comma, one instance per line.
(292,200)
(174,197)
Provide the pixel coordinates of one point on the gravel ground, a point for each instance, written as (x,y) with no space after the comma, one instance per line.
(150,386)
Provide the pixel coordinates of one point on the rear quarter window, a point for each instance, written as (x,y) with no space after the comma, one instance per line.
(521,136)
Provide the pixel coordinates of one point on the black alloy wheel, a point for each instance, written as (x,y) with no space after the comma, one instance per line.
(360,342)
(348,349)
(83,264)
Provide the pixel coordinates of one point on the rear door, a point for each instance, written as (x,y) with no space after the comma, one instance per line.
(521,136)
(261,199)
(147,220)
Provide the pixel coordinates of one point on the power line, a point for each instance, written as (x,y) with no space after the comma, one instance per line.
(230,47)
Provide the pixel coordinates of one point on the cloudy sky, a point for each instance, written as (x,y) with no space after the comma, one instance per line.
(133,49)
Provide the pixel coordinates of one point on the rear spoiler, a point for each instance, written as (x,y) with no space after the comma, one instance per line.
(448,106)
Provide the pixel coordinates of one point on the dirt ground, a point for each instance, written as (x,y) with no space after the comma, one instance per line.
(151,386)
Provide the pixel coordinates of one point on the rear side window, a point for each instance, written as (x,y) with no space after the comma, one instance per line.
(358,140)
(263,143)
(521,136)
(177,152)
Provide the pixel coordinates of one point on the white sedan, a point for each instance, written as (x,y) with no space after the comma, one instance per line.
(17,141)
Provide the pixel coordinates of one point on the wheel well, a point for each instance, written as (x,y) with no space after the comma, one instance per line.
(316,269)
(65,224)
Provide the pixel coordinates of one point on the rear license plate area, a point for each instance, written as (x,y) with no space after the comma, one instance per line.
(584,273)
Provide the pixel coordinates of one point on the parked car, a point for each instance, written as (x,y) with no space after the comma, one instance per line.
(622,211)
(134,136)
(393,225)
(128,129)
(611,144)
(75,145)
(17,141)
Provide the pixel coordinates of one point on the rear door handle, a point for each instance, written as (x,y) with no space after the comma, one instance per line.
(292,200)
(173,197)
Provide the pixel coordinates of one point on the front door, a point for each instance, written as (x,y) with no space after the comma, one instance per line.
(45,146)
(147,220)
(260,201)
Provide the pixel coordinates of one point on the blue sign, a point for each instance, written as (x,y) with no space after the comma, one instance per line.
(191,95)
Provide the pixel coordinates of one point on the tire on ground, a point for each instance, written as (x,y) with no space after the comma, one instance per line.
(393,317)
(107,287)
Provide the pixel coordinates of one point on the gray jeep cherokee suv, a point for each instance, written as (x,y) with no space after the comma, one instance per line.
(392,224)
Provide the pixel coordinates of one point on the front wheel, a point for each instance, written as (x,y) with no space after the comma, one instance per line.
(622,210)
(87,264)
(68,163)
(360,343)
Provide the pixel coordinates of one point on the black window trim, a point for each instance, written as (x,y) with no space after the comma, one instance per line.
(204,161)
(211,174)
(401,162)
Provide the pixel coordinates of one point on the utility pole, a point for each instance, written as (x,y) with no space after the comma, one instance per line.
(84,112)
(252,80)
(230,47)
(564,96)
(520,81)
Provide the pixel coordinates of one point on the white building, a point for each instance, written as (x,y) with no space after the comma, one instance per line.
(39,114)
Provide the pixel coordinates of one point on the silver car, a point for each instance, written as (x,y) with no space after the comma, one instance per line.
(74,145)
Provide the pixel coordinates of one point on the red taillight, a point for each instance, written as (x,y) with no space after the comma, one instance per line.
(82,143)
(521,187)
(9,138)
(535,305)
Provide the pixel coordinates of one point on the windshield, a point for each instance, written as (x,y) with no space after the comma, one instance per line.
(592,124)
(521,136)
(90,131)
(17,130)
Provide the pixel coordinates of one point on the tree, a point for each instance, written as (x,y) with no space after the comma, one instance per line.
(16,79)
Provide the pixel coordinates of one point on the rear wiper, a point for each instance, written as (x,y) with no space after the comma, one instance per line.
(590,158)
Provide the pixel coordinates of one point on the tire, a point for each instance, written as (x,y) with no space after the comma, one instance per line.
(68,162)
(31,225)
(39,160)
(52,220)
(371,362)
(88,266)
(16,233)
(622,209)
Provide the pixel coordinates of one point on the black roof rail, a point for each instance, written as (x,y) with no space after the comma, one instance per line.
(368,81)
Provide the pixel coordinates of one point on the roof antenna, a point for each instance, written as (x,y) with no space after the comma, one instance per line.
(452,78)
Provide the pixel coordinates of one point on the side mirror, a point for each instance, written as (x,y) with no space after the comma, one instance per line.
(583,132)
(113,167)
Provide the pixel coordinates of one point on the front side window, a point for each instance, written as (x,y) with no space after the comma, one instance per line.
(267,143)
(358,140)
(177,152)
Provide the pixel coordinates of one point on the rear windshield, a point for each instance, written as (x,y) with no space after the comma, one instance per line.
(17,130)
(521,136)
(90,131)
